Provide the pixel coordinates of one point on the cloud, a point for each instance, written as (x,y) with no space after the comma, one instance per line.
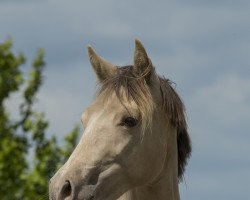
(219,123)
(225,102)
(65,95)
(223,184)
(219,118)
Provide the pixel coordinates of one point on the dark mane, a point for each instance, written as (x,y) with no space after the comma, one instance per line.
(175,110)
(135,88)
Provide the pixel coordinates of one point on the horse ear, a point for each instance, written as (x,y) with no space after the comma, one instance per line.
(103,68)
(142,63)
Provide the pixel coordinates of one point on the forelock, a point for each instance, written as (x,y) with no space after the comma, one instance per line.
(130,87)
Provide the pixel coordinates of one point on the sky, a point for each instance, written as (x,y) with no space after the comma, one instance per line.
(203,46)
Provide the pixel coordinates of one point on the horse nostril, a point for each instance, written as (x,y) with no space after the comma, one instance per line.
(65,191)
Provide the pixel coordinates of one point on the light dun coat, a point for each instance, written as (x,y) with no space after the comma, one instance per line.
(135,145)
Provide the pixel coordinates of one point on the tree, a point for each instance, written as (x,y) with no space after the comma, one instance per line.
(21,177)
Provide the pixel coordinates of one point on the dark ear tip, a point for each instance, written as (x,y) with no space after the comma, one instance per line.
(138,43)
(90,50)
(139,47)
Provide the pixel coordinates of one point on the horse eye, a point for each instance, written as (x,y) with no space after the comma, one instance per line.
(129,122)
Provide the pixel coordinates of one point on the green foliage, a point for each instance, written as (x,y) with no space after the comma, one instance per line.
(23,178)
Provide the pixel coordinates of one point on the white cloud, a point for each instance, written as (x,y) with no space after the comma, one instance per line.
(220,184)
(65,95)
(219,115)
(226,101)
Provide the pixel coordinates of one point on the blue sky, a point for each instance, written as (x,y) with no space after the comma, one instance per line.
(203,46)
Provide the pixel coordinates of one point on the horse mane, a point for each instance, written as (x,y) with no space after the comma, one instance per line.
(175,109)
(127,82)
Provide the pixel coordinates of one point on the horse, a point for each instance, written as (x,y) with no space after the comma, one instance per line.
(135,144)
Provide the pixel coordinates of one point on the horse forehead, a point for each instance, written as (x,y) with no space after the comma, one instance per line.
(113,102)
(106,107)
(100,107)
(94,118)
(101,113)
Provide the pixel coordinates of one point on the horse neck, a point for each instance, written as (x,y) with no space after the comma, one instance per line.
(165,185)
